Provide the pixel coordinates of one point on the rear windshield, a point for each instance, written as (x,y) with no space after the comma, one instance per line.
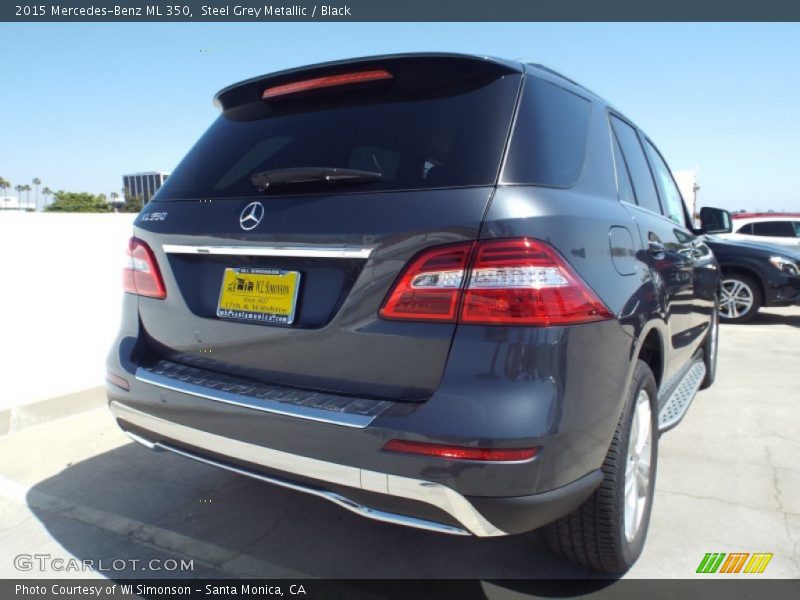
(429,127)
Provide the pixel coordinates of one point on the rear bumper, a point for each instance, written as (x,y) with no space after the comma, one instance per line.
(481,516)
(503,388)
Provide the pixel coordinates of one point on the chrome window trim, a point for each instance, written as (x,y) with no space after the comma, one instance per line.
(362,252)
(435,494)
(270,406)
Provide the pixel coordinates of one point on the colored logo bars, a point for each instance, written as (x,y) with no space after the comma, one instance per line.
(735,562)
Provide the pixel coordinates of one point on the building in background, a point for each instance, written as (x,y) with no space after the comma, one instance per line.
(144,185)
(14,203)
(687,184)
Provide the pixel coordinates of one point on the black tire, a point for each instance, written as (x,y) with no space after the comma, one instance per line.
(732,312)
(711,348)
(594,535)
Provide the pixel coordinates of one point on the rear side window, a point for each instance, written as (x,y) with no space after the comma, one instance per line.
(643,186)
(548,146)
(746,229)
(670,194)
(433,125)
(624,185)
(774,228)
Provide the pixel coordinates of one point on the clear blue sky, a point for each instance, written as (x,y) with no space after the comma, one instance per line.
(81,104)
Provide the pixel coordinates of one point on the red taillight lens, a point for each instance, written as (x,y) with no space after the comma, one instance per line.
(525,282)
(325,82)
(429,287)
(517,281)
(461,452)
(140,274)
(118,381)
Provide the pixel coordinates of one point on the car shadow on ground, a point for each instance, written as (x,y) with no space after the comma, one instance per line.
(771,318)
(129,499)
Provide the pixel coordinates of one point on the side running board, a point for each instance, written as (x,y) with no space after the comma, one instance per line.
(681,397)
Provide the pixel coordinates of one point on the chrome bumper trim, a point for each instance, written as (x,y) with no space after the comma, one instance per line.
(275,250)
(440,496)
(270,406)
(140,440)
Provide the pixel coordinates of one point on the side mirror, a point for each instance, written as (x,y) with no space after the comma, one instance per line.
(715,220)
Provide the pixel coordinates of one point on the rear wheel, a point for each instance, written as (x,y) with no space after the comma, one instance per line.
(607,532)
(741,298)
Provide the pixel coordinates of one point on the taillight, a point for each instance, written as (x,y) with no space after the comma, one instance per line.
(461,452)
(516,281)
(525,282)
(325,82)
(140,274)
(429,287)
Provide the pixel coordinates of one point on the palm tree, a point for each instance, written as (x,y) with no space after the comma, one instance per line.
(19,189)
(46,192)
(36,183)
(27,189)
(4,185)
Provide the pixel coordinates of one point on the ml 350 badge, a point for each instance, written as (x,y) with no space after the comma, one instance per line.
(261,295)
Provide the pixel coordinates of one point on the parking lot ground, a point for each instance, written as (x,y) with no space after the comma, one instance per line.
(728,481)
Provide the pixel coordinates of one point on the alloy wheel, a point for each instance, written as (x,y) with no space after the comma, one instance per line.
(736,300)
(637,466)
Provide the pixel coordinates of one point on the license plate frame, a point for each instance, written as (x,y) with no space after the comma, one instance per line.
(251,301)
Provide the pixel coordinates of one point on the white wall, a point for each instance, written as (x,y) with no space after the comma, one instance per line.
(14,203)
(60,291)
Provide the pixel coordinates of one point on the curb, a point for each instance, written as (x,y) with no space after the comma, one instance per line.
(17,418)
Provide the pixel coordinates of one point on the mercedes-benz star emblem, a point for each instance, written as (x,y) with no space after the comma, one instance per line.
(251,216)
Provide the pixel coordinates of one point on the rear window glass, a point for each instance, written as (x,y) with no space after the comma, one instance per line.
(643,185)
(549,142)
(624,185)
(424,129)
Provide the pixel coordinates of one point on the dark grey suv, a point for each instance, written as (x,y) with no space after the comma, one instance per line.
(449,292)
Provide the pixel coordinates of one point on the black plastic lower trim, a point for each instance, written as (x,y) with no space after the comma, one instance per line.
(521,514)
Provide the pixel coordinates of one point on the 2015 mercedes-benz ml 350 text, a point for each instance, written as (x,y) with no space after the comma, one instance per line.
(449,292)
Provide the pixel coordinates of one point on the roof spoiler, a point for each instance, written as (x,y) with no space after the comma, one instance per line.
(252,90)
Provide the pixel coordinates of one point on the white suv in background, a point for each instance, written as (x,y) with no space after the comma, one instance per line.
(774,228)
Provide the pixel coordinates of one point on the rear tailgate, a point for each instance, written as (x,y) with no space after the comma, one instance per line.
(436,131)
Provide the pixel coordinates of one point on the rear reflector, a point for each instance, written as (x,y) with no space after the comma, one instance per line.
(517,281)
(461,452)
(140,274)
(325,82)
(118,381)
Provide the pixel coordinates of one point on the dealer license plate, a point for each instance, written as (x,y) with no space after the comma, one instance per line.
(260,295)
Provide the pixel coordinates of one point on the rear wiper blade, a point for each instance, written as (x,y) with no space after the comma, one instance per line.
(300,175)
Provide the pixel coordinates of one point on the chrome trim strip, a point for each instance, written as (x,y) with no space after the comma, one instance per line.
(140,440)
(440,496)
(270,406)
(276,250)
(360,509)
